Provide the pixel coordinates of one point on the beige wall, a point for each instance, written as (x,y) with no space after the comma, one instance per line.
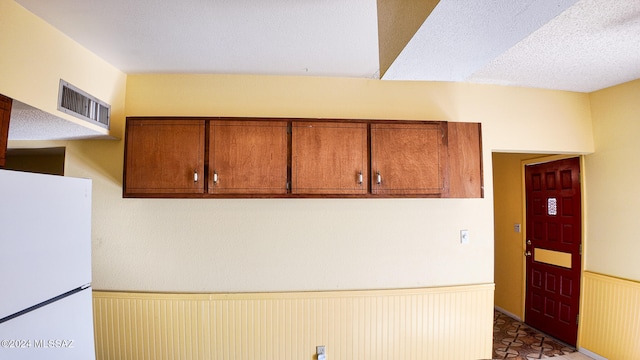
(612,174)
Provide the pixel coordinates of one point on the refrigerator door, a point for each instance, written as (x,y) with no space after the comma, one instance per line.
(60,330)
(45,238)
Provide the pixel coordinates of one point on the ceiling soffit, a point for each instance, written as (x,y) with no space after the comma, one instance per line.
(398,21)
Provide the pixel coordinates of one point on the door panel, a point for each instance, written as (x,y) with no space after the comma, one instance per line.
(164,157)
(409,159)
(248,157)
(550,257)
(329,158)
(5,115)
(554,236)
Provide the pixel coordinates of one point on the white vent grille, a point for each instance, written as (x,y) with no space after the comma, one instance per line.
(78,103)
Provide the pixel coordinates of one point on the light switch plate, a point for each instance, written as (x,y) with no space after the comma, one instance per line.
(464,236)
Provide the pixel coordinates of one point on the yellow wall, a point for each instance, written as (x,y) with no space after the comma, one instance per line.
(35,56)
(509,209)
(612,205)
(512,118)
(317,244)
(254,245)
(289,244)
(509,245)
(612,174)
(311,244)
(609,213)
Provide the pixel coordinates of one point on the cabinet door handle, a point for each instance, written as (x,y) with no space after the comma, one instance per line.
(379,178)
(195,175)
(215,177)
(360,178)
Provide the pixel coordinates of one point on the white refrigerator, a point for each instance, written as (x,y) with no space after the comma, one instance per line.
(45,267)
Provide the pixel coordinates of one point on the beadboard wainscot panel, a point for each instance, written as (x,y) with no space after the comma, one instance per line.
(610,317)
(427,323)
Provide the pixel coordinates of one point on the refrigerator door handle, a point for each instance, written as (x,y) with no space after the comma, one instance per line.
(44,303)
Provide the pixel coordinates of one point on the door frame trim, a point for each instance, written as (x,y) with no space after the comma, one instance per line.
(523,241)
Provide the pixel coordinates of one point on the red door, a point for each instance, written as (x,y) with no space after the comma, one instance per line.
(554,233)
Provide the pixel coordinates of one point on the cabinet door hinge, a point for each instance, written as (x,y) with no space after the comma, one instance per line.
(577,318)
(580,249)
(289,130)
(288,185)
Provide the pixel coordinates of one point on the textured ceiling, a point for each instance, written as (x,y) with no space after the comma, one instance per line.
(575,45)
(461,36)
(582,46)
(593,45)
(281,37)
(29,123)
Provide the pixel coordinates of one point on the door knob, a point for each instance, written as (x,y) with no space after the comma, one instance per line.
(527,253)
(528,242)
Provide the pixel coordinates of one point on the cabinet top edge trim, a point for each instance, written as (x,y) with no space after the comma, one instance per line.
(294,119)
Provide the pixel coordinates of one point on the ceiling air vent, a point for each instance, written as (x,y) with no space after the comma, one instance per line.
(78,103)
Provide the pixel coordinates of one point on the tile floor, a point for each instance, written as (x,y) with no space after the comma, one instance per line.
(513,339)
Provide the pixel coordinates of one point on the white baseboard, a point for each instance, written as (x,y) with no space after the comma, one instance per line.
(507,313)
(591,354)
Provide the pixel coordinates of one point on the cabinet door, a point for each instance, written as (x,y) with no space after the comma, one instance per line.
(164,156)
(5,115)
(465,160)
(409,159)
(329,158)
(248,157)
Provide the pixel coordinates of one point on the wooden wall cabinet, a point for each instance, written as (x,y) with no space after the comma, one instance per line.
(230,157)
(329,158)
(409,159)
(5,115)
(248,157)
(164,157)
